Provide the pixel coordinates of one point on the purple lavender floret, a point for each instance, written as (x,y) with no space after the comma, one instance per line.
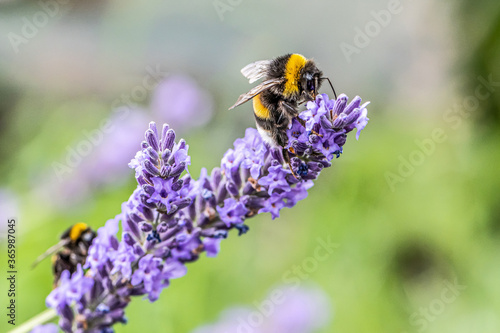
(327,123)
(72,289)
(171,219)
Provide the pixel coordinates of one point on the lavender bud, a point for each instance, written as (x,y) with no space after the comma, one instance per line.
(315,166)
(277,154)
(169,139)
(340,104)
(316,127)
(152,127)
(148,189)
(352,117)
(66,324)
(300,147)
(182,144)
(132,227)
(134,217)
(326,164)
(165,170)
(148,214)
(163,251)
(291,179)
(309,176)
(183,203)
(192,211)
(162,227)
(295,161)
(248,188)
(172,232)
(254,202)
(151,168)
(152,139)
(145,201)
(138,250)
(325,123)
(113,242)
(171,222)
(177,185)
(216,177)
(177,169)
(152,155)
(165,155)
(246,173)
(146,227)
(200,203)
(128,239)
(232,189)
(339,122)
(353,105)
(313,138)
(141,180)
(235,177)
(214,233)
(147,176)
(340,139)
(221,192)
(164,132)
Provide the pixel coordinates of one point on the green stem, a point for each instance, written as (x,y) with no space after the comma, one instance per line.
(39,319)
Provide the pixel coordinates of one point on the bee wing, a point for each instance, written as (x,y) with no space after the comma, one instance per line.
(256,70)
(255,91)
(53,249)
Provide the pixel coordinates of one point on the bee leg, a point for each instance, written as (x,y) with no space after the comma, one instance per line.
(303,123)
(286,156)
(289,109)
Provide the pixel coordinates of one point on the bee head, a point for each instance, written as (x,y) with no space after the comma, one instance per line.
(80,232)
(88,236)
(310,80)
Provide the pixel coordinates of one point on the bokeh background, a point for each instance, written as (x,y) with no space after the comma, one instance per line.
(415,215)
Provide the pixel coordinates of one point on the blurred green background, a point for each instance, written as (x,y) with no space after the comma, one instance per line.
(412,214)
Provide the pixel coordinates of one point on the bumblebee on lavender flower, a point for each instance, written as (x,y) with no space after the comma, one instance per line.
(289,80)
(71,250)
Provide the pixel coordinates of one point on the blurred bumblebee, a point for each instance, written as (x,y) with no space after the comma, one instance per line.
(71,250)
(289,80)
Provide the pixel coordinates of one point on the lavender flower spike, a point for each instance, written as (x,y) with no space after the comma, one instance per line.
(170,218)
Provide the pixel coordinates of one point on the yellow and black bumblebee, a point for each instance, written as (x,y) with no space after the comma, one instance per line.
(71,250)
(289,80)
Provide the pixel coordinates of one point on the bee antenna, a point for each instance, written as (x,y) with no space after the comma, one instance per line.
(331,85)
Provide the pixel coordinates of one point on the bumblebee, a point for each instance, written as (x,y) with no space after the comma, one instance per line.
(289,80)
(71,250)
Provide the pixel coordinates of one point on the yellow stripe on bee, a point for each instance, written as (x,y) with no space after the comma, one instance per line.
(77,230)
(259,109)
(292,73)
